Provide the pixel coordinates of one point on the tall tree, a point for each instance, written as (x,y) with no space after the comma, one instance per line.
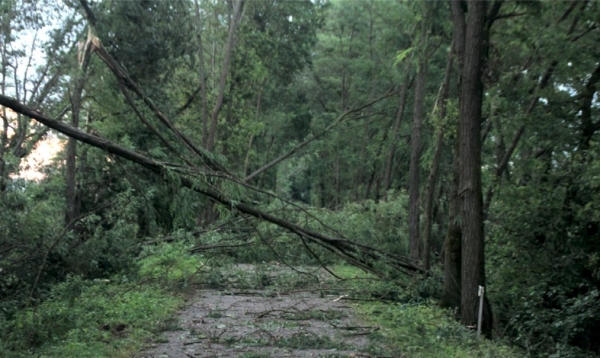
(414,210)
(469,21)
(72,195)
(234,21)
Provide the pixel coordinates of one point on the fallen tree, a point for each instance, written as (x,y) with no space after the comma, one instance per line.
(359,255)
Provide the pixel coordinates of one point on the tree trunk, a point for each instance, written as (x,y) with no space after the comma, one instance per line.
(202,78)
(362,256)
(387,175)
(5,124)
(469,152)
(72,197)
(208,215)
(373,177)
(452,246)
(362,179)
(3,143)
(233,25)
(415,163)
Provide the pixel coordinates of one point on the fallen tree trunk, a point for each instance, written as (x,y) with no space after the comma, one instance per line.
(359,255)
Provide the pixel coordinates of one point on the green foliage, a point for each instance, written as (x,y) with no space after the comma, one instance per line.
(83,318)
(372,223)
(411,322)
(403,289)
(545,307)
(402,55)
(424,330)
(29,224)
(169,264)
(139,35)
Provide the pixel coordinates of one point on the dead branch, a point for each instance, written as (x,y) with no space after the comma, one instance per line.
(359,255)
(219,246)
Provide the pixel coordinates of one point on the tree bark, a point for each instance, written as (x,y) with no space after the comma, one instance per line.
(3,143)
(362,179)
(469,152)
(414,208)
(451,250)
(71,195)
(450,297)
(4,134)
(5,123)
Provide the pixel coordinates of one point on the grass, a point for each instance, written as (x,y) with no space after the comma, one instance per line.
(418,328)
(117,317)
(89,319)
(103,318)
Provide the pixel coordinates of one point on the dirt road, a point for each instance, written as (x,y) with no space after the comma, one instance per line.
(266,323)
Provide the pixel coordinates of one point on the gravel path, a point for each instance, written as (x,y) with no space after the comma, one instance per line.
(258,323)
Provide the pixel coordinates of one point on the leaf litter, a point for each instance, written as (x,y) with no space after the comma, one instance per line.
(254,323)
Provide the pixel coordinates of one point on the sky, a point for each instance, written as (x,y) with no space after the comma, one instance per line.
(32,167)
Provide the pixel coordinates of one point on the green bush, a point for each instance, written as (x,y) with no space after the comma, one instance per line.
(82,318)
(169,264)
(424,330)
(380,224)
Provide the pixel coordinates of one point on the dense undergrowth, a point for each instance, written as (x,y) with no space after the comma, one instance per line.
(103,317)
(119,316)
(413,325)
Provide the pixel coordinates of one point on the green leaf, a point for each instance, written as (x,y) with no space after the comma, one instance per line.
(401,55)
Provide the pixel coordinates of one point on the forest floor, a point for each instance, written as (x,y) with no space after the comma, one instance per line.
(268,311)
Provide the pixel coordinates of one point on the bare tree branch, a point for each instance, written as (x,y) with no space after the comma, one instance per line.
(316,136)
(359,255)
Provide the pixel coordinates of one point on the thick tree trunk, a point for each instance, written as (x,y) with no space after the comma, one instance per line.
(415,164)
(469,152)
(452,243)
(428,201)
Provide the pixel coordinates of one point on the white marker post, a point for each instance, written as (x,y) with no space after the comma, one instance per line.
(480,293)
